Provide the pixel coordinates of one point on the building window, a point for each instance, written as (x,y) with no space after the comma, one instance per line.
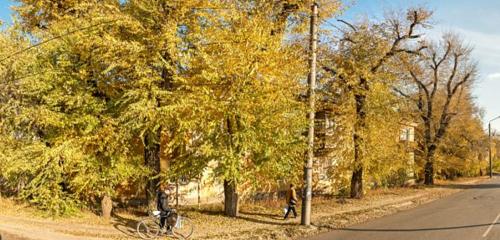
(407,134)
(404,134)
(329,123)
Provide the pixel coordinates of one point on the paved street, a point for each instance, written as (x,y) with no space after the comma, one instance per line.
(468,215)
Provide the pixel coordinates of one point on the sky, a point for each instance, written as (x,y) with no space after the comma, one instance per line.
(5,10)
(477,21)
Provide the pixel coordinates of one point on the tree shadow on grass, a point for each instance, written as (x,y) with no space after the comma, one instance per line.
(209,212)
(251,216)
(269,215)
(263,221)
(248,215)
(125,225)
(212,210)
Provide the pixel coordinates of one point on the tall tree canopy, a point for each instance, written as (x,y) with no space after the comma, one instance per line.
(365,52)
(438,77)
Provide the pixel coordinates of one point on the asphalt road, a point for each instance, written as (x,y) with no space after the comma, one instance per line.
(472,214)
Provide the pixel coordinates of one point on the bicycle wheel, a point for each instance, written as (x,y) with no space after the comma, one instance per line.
(149,228)
(183,228)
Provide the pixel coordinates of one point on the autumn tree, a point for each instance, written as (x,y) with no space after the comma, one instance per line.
(10,71)
(110,74)
(463,149)
(69,144)
(364,55)
(437,77)
(244,88)
(132,55)
(254,118)
(386,162)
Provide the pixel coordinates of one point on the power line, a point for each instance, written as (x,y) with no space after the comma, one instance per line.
(53,38)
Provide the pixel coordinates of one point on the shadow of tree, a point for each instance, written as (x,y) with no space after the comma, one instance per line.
(212,210)
(469,186)
(270,215)
(128,225)
(125,225)
(265,221)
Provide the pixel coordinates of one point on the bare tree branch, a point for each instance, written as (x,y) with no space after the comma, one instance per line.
(453,73)
(348,24)
(401,93)
(416,20)
(419,83)
(435,66)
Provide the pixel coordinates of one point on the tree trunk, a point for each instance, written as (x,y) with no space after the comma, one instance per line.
(152,161)
(359,142)
(198,188)
(230,199)
(357,183)
(20,186)
(177,193)
(429,164)
(429,170)
(106,206)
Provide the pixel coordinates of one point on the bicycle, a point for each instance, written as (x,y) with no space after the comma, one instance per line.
(149,228)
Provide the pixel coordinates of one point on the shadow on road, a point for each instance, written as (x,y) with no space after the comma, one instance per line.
(470,186)
(412,229)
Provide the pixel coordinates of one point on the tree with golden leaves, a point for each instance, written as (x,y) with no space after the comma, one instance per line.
(365,52)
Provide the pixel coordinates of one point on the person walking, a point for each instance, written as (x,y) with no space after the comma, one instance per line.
(291,200)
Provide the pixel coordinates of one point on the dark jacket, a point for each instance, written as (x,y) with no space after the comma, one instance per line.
(162,202)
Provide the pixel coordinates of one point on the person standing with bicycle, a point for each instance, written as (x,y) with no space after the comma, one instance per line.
(165,220)
(163,206)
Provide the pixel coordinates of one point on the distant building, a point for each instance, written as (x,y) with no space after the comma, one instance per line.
(325,144)
(206,190)
(407,138)
(325,155)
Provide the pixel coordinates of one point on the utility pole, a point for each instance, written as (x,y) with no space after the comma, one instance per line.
(307,192)
(177,193)
(489,148)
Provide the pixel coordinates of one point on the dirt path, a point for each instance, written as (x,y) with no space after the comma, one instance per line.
(24,228)
(8,236)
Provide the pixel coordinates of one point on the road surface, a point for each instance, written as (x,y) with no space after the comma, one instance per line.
(472,214)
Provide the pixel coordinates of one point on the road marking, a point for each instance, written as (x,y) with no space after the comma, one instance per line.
(491,226)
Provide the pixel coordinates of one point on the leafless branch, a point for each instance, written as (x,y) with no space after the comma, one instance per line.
(348,24)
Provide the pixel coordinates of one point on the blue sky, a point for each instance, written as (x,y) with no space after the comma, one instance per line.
(477,21)
(5,10)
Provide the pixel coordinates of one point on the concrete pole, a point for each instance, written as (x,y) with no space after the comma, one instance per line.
(489,148)
(307,192)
